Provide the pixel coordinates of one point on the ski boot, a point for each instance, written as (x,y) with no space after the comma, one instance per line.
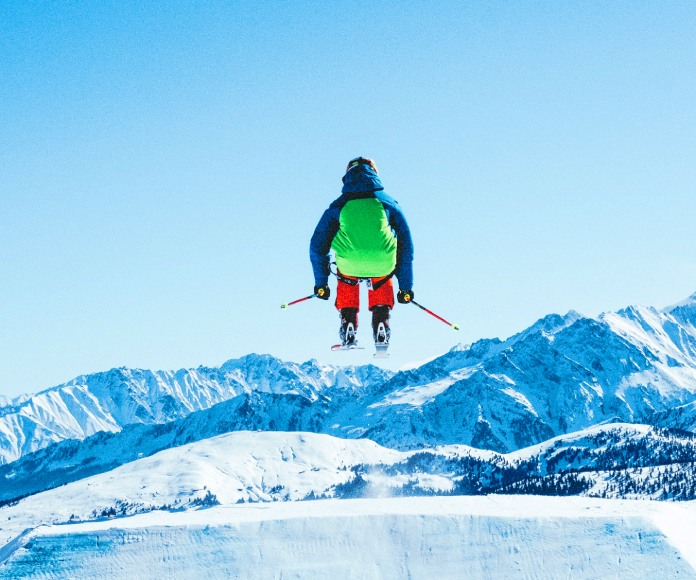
(349,324)
(380,330)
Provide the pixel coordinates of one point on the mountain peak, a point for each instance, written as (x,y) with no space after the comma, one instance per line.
(549,325)
(690,301)
(684,311)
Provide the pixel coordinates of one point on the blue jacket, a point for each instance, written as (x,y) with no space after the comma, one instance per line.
(367,231)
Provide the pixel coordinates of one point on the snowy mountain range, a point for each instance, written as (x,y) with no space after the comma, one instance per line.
(563,374)
(109,401)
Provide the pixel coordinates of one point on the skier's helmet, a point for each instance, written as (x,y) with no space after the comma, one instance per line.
(361,161)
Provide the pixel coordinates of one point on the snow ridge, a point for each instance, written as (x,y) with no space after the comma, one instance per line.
(111,400)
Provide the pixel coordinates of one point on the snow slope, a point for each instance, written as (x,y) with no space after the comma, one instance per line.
(493,537)
(682,417)
(613,461)
(238,467)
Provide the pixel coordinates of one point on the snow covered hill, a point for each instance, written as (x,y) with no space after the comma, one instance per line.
(420,538)
(611,461)
(237,467)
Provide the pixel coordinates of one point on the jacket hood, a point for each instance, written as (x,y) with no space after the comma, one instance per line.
(360,179)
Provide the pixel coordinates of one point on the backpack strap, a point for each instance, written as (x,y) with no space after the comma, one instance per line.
(356,281)
(378,284)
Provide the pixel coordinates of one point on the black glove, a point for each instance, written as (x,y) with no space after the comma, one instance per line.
(404,296)
(322,292)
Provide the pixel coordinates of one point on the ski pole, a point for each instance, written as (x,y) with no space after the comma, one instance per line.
(452,326)
(298,301)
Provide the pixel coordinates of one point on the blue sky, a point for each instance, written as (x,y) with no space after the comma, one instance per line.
(163,165)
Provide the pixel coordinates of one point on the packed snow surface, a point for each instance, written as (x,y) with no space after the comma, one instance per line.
(494,537)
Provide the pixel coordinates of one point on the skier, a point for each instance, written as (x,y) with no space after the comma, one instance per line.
(372,242)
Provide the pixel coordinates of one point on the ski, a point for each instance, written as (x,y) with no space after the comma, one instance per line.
(381,332)
(381,351)
(347,347)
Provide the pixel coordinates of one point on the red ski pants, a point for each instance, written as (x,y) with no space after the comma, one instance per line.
(348,295)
